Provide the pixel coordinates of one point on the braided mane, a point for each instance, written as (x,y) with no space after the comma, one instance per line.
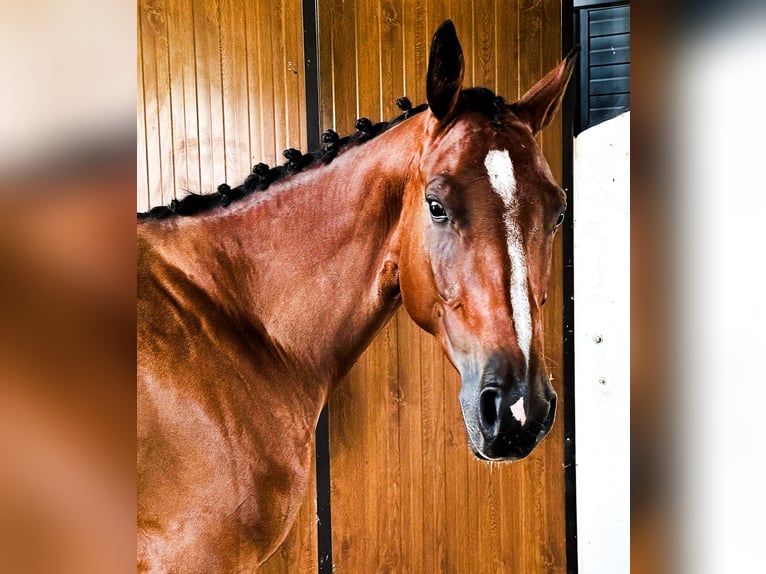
(262,176)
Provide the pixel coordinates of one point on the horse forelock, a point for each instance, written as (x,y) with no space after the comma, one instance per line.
(485,101)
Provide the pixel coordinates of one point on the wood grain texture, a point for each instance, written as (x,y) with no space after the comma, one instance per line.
(183,95)
(142,172)
(221,87)
(156,97)
(407,494)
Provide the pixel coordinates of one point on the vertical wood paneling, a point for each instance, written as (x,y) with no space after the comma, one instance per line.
(410,451)
(327,62)
(209,94)
(234,89)
(221,88)
(432,433)
(183,95)
(295,87)
(415,50)
(484,43)
(391,54)
(272,19)
(454,512)
(156,97)
(266,86)
(142,173)
(507,46)
(368,61)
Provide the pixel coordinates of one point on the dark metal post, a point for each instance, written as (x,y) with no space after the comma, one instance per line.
(568,120)
(322,436)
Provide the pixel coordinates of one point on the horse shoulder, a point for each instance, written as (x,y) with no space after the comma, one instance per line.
(223,460)
(211,489)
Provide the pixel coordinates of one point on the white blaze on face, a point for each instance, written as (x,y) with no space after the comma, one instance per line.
(501,177)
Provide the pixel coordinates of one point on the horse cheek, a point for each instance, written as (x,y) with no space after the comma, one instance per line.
(417,288)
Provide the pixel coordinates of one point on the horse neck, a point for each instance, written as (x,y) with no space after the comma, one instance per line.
(312,261)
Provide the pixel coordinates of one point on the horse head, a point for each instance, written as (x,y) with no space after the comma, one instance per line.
(478,227)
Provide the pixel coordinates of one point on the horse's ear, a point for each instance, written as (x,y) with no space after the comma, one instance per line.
(445,71)
(538,106)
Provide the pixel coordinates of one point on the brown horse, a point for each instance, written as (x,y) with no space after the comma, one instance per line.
(250,310)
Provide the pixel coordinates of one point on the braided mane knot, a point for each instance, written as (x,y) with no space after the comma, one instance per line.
(294,159)
(225,191)
(364,125)
(260,169)
(405,105)
(257,179)
(330,143)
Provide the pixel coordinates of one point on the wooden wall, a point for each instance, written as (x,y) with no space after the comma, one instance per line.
(220,88)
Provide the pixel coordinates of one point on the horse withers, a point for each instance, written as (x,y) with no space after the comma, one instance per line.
(254,301)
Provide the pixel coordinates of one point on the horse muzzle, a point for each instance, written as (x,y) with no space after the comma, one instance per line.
(510,417)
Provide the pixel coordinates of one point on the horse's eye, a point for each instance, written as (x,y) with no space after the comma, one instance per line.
(560,220)
(437,210)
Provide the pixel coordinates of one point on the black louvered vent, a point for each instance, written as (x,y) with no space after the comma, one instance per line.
(604,80)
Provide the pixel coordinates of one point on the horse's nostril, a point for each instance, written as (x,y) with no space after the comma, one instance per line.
(489,403)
